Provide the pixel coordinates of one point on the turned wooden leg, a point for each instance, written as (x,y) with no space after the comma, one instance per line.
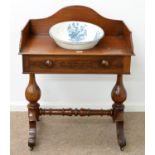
(119,96)
(32,94)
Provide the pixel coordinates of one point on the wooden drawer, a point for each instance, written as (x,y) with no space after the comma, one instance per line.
(76,64)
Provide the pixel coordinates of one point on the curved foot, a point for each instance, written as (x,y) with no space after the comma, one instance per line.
(120,135)
(32,138)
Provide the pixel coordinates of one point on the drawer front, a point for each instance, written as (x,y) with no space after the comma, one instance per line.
(76,64)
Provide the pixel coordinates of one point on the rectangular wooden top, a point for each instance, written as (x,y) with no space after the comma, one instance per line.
(45,45)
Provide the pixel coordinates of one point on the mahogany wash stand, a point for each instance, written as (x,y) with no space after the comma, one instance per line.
(40,55)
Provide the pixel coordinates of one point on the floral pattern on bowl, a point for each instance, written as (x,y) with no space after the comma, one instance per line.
(77,31)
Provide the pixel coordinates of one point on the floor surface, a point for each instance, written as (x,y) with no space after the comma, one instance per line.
(58,135)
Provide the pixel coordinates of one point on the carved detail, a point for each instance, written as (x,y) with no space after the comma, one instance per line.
(76,112)
(32,94)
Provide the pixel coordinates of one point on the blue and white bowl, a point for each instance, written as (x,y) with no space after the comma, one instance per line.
(76,35)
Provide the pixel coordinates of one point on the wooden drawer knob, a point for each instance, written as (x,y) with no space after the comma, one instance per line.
(105,63)
(48,63)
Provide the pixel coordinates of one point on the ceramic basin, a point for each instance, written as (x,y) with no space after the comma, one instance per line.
(76,35)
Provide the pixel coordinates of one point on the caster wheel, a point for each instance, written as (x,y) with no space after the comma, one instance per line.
(31,148)
(122,148)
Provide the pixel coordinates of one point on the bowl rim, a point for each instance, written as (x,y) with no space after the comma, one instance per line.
(76,43)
